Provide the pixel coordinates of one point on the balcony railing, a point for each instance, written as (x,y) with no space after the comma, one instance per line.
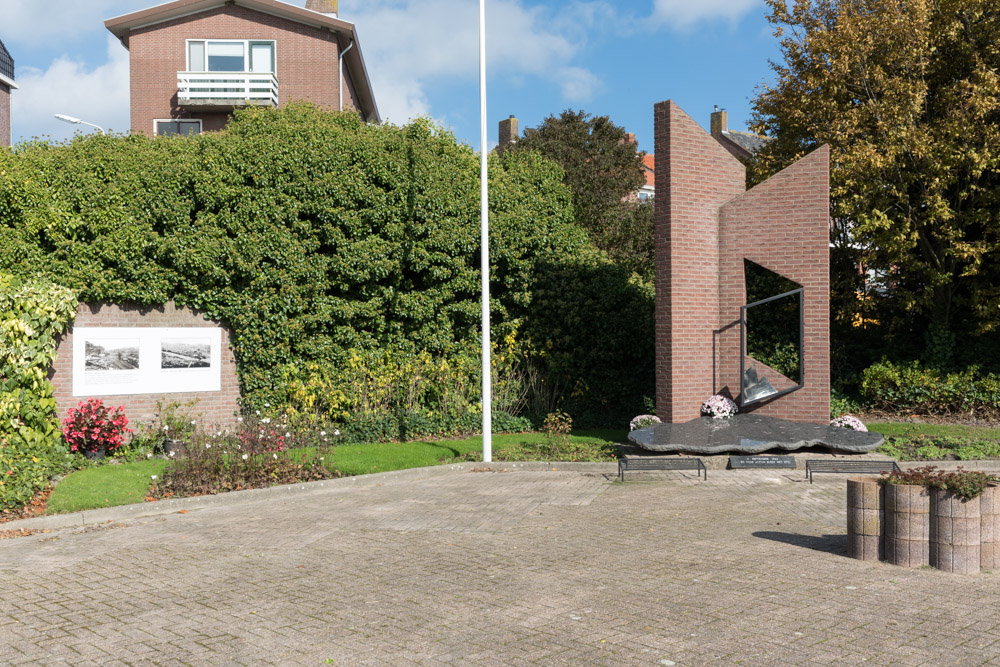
(226,89)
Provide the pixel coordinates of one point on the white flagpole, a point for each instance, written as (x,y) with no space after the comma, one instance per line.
(484,206)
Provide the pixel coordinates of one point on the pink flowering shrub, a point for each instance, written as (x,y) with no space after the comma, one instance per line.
(642,421)
(719,407)
(93,427)
(849,421)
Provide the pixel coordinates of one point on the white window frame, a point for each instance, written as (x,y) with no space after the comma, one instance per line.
(246,52)
(156,121)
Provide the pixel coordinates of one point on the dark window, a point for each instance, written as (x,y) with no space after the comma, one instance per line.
(6,63)
(170,128)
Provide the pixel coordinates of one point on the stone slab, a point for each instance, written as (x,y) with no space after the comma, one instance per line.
(750,434)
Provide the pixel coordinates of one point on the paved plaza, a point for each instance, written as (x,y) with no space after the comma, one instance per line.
(468,566)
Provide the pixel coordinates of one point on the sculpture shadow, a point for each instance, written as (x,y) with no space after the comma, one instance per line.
(830,544)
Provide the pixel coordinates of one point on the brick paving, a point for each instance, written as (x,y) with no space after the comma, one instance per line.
(492,568)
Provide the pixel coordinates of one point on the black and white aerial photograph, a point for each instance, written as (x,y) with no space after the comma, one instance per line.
(112,355)
(185,353)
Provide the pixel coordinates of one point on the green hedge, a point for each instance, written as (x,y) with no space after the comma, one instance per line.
(32,314)
(895,386)
(312,234)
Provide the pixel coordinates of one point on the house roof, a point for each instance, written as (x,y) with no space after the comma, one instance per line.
(6,66)
(649,169)
(748,141)
(122,27)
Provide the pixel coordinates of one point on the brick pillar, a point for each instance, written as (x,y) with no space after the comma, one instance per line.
(695,176)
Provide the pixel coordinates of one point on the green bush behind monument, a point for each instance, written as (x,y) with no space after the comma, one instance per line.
(315,237)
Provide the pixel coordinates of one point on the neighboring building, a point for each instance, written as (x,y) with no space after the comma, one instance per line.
(649,171)
(740,144)
(193,61)
(6,85)
(507,134)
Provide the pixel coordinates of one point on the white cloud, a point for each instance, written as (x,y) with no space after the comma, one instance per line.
(411,44)
(99,95)
(685,13)
(40,23)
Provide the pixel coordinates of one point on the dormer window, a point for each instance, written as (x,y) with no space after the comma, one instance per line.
(230,55)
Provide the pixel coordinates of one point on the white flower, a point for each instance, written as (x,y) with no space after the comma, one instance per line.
(192,422)
(287,434)
(172,454)
(208,445)
(323,433)
(258,413)
(266,420)
(244,457)
(152,477)
(267,405)
(336,432)
(275,456)
(149,455)
(239,419)
(166,428)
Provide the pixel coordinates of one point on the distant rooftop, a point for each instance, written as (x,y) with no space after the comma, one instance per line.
(6,63)
(747,140)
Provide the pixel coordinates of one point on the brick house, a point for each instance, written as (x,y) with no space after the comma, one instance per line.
(6,85)
(193,61)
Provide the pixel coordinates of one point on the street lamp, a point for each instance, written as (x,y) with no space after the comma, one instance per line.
(77,121)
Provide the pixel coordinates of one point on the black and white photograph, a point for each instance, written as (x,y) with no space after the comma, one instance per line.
(185,353)
(111,355)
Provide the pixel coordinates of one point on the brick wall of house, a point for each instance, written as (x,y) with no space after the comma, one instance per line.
(216,407)
(783,225)
(306,58)
(694,177)
(4,114)
(705,225)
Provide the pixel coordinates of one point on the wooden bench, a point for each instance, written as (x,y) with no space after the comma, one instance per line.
(660,463)
(870,467)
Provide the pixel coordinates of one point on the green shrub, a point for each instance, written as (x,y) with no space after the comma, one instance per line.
(913,387)
(32,314)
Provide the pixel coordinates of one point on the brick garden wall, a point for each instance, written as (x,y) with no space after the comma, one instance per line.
(306,58)
(4,114)
(706,224)
(217,407)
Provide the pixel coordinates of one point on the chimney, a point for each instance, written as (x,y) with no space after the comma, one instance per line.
(720,122)
(630,138)
(508,133)
(328,7)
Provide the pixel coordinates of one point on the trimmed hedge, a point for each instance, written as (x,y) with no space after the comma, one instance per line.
(313,235)
(32,314)
(893,386)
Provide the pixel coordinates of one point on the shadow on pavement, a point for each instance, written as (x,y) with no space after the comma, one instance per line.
(831,544)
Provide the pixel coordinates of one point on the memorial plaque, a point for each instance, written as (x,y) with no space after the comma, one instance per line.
(764,461)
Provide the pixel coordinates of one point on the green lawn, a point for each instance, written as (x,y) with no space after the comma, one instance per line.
(110,485)
(891,429)
(104,486)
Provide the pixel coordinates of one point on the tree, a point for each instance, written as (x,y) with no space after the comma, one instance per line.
(907,95)
(603,171)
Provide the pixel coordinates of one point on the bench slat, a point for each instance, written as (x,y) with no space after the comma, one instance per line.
(824,465)
(660,463)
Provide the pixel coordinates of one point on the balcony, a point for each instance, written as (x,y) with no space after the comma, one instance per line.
(221,91)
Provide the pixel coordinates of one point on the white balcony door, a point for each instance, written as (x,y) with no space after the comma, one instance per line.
(261,58)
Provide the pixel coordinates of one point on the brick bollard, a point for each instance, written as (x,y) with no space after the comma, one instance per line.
(907,525)
(865,518)
(989,530)
(955,531)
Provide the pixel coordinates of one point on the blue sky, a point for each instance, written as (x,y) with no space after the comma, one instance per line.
(543,56)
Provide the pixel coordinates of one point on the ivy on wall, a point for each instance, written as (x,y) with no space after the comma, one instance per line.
(32,314)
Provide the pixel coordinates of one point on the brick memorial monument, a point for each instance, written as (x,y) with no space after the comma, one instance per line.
(709,228)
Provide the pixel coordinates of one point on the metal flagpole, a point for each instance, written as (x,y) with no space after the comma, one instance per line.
(484,207)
